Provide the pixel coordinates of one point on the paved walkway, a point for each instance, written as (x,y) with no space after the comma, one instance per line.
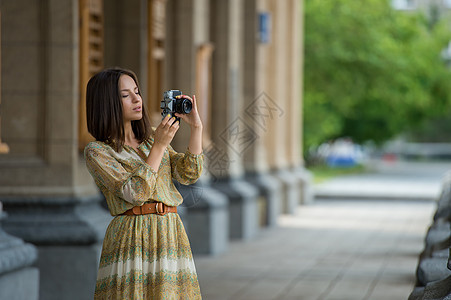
(332,249)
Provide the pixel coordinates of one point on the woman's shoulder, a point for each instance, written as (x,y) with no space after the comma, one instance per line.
(96,147)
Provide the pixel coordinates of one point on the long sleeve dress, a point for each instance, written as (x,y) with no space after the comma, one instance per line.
(145,256)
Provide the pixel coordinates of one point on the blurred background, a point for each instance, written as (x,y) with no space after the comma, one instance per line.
(306,105)
(376,72)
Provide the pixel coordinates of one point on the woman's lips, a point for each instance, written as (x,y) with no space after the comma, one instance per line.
(137,108)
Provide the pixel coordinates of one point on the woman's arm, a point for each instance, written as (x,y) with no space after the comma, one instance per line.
(133,186)
(195,140)
(186,167)
(193,120)
(163,136)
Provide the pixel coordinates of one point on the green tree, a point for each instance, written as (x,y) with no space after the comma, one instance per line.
(370,72)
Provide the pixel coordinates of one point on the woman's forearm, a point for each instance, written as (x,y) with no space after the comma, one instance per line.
(155,156)
(195,140)
(157,151)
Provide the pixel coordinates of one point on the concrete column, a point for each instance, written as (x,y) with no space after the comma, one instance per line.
(295,51)
(18,280)
(125,38)
(207,214)
(46,190)
(293,120)
(277,85)
(256,113)
(230,133)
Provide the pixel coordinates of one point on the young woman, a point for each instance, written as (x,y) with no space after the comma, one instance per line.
(146,253)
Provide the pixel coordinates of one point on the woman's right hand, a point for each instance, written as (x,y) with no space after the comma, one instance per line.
(163,136)
(165,132)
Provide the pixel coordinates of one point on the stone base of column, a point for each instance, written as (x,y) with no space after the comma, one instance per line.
(68,233)
(20,284)
(205,213)
(17,279)
(270,192)
(290,190)
(305,177)
(68,272)
(243,207)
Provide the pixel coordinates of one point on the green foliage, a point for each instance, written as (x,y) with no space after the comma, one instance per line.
(370,72)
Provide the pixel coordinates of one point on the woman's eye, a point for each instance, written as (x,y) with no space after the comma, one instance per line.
(124,96)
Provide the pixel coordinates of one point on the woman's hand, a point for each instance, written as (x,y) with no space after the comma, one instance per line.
(165,132)
(163,136)
(193,118)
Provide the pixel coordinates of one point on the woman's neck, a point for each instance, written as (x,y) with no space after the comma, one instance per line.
(129,135)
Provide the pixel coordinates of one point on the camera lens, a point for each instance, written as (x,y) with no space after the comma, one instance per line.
(187,106)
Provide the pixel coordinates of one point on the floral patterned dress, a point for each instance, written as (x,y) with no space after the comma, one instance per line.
(144,256)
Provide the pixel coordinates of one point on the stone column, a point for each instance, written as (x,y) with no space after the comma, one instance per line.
(277,85)
(125,38)
(18,280)
(230,133)
(295,51)
(3,147)
(207,218)
(45,188)
(258,110)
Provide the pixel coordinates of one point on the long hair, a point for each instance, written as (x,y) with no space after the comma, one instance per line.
(104,109)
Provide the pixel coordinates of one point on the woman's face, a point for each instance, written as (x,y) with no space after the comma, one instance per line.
(131,100)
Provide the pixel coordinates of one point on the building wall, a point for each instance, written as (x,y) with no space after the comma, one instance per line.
(40,94)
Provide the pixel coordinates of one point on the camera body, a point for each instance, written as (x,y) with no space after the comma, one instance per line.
(171,105)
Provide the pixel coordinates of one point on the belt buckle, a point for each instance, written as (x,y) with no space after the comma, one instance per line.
(161,211)
(137,210)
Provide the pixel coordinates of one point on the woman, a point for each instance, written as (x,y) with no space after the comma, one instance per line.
(146,253)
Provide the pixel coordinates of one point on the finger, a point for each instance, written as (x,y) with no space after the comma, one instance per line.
(194,101)
(172,131)
(181,116)
(175,124)
(165,119)
(171,121)
(174,128)
(185,96)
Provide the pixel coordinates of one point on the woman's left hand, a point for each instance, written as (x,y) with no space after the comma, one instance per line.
(192,118)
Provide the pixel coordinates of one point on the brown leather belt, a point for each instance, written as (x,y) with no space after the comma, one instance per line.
(158,208)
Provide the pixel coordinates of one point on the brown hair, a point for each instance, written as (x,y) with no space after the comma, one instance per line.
(104,109)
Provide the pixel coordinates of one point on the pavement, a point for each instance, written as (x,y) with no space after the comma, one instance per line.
(343,247)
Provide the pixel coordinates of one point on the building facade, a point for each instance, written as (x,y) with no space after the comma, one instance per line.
(242,60)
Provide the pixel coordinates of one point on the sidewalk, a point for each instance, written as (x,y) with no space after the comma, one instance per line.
(332,249)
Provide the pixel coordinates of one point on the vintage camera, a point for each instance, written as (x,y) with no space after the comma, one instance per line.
(171,105)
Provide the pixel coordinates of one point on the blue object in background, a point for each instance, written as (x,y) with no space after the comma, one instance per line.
(342,153)
(343,162)
(264,27)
